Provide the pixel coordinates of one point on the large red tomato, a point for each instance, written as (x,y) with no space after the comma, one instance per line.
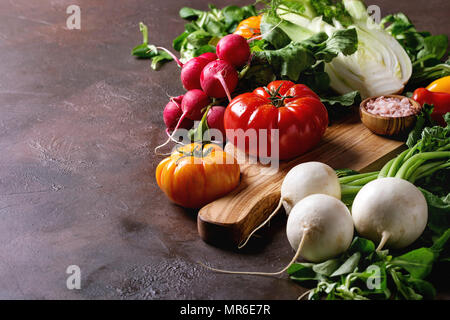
(294,109)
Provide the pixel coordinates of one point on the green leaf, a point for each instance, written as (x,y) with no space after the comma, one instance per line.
(302,272)
(189,13)
(177,43)
(423,75)
(423,120)
(326,268)
(161,57)
(204,49)
(255,76)
(440,243)
(272,34)
(343,41)
(289,61)
(147,51)
(205,28)
(198,38)
(201,132)
(316,78)
(438,212)
(364,246)
(233,14)
(434,46)
(424,288)
(330,10)
(341,105)
(346,100)
(142,51)
(348,266)
(417,262)
(375,276)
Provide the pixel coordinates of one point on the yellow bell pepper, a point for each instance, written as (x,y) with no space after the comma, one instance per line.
(440,85)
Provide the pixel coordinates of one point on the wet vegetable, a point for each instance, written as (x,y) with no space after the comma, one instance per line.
(293,109)
(194,175)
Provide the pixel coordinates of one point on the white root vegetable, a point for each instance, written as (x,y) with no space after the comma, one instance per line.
(306,179)
(319,227)
(324,225)
(391,212)
(301,181)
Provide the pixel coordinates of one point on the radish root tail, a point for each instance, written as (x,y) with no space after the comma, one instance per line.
(224,85)
(304,294)
(174,57)
(384,238)
(274,212)
(170,137)
(162,145)
(297,254)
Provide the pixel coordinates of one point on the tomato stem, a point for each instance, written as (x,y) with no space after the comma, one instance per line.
(275,98)
(197,152)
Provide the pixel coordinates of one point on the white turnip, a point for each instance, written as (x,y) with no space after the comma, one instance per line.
(324,225)
(390,211)
(301,181)
(319,228)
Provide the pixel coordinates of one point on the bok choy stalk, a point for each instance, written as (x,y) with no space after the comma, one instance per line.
(380,65)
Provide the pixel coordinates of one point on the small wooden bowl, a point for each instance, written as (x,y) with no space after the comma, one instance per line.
(388,126)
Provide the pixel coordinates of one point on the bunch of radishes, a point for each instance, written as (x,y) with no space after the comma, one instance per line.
(207,77)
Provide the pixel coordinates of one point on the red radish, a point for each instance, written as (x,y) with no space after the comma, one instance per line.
(214,119)
(211,56)
(192,104)
(190,72)
(218,79)
(172,114)
(234,49)
(194,101)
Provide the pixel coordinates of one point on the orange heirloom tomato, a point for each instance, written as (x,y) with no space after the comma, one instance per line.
(193,176)
(249,27)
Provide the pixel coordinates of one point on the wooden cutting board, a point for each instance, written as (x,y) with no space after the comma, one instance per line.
(346,144)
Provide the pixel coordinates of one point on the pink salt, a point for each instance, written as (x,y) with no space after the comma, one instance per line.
(390,107)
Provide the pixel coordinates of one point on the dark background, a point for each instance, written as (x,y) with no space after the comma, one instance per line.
(79,118)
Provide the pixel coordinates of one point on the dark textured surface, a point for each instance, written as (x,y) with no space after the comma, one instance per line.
(79,118)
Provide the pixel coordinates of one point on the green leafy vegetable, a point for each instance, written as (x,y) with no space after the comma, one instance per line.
(381,65)
(363,273)
(205,28)
(338,105)
(423,120)
(147,51)
(417,262)
(425,50)
(404,274)
(296,57)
